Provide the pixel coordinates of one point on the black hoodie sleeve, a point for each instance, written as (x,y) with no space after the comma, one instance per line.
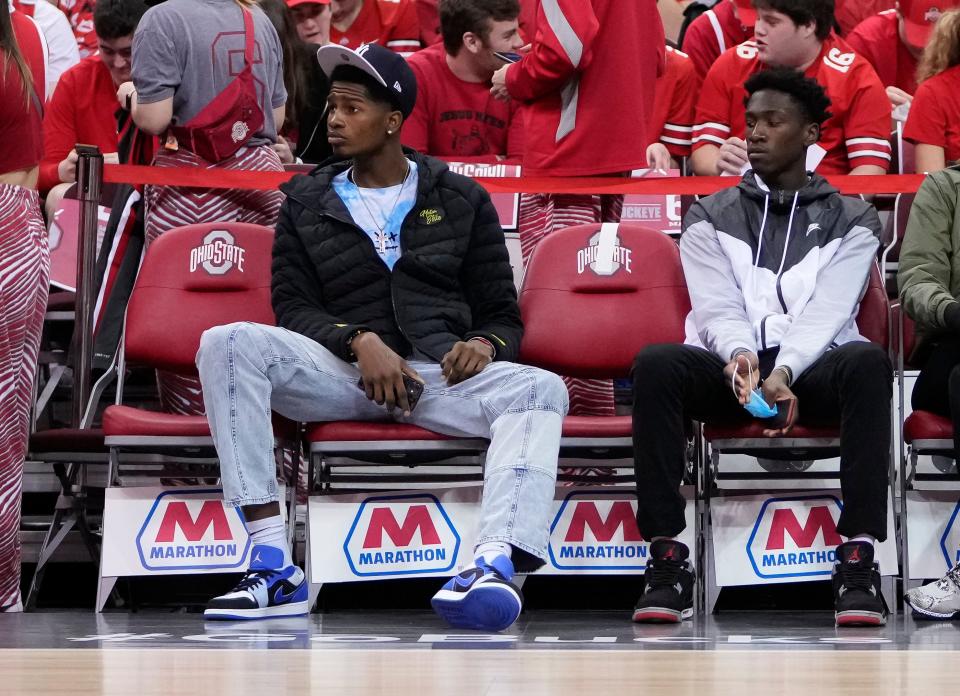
(296,294)
(487,280)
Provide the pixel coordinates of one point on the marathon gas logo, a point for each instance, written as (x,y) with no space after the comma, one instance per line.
(950,540)
(597,531)
(401,535)
(190,530)
(795,537)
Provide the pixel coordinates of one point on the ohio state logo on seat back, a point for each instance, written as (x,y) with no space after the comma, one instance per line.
(401,535)
(598,531)
(795,537)
(185,531)
(603,254)
(218,253)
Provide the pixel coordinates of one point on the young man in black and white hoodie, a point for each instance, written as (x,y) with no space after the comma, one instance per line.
(776,268)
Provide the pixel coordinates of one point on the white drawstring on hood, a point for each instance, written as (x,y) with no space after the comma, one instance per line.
(763,224)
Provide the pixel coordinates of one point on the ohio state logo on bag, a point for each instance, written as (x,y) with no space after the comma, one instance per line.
(218,254)
(239,131)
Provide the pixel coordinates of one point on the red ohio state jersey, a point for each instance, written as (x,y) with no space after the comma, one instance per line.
(856,134)
(674,104)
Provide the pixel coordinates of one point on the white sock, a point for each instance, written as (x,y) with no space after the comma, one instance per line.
(491,549)
(864,539)
(271,531)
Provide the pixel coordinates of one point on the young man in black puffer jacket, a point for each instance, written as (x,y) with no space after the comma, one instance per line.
(391,271)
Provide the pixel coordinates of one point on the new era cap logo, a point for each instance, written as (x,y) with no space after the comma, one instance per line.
(396,86)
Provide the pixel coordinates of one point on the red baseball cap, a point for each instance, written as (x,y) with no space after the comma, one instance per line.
(746,12)
(919,16)
(296,3)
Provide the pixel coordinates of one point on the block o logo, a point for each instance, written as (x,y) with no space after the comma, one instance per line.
(597,531)
(187,530)
(795,537)
(218,254)
(401,535)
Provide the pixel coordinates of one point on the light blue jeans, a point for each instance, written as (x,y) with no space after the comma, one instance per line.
(247,370)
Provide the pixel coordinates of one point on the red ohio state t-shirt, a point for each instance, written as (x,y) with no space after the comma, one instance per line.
(933,114)
(674,104)
(857,133)
(457,119)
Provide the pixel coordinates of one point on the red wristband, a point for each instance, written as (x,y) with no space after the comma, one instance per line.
(485,342)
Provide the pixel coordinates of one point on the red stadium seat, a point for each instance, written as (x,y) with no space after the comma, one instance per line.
(589,316)
(804,442)
(192,278)
(570,305)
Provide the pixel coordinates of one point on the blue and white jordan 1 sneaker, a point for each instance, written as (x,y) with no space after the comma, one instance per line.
(481,597)
(264,592)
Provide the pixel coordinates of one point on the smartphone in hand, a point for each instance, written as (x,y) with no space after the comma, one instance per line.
(413,387)
(786,410)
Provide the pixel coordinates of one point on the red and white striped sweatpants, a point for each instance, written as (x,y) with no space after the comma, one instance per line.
(168,207)
(24,284)
(540,214)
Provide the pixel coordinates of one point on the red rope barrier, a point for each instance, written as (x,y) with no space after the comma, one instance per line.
(700,185)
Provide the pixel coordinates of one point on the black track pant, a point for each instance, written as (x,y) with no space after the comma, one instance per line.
(673,383)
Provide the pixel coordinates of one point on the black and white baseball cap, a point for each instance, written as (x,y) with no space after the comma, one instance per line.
(387,67)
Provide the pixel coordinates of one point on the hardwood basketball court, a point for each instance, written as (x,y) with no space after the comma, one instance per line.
(577,653)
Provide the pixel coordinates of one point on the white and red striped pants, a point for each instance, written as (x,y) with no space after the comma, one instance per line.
(24,284)
(168,207)
(540,214)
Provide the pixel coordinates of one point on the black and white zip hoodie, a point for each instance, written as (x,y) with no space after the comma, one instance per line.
(769,269)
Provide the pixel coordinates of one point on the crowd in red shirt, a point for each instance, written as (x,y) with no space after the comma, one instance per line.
(696,100)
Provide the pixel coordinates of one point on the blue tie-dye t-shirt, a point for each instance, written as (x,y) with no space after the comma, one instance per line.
(384,228)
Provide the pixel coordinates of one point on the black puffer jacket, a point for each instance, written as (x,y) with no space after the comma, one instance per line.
(452,282)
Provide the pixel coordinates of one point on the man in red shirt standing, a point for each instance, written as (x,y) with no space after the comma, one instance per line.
(587,58)
(893,40)
(84,105)
(456,117)
(796,34)
(728,24)
(390,23)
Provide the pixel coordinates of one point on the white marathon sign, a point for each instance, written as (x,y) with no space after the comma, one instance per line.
(432,533)
(788,537)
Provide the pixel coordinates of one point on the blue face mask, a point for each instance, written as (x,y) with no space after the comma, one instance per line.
(757,406)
